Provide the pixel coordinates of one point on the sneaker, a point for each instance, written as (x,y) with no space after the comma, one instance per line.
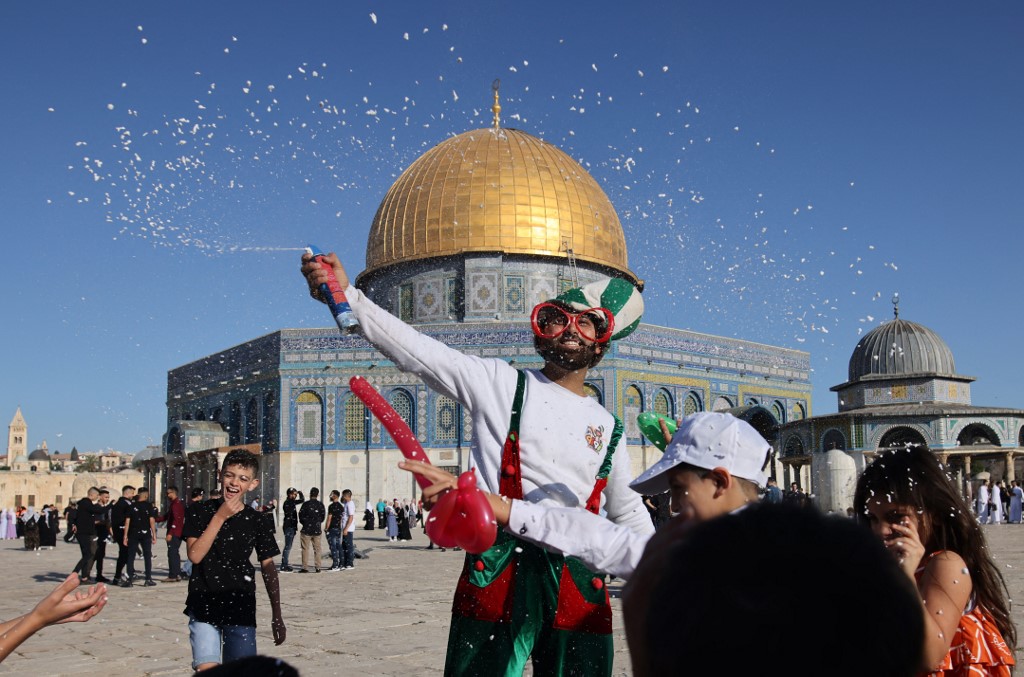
(348,567)
(149,583)
(287,568)
(170,579)
(102,579)
(84,581)
(303,571)
(317,570)
(124,583)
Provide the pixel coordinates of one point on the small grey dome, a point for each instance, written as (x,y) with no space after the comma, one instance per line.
(39,455)
(900,348)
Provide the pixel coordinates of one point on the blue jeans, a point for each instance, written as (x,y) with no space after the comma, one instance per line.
(348,551)
(289,536)
(334,543)
(174,557)
(213,644)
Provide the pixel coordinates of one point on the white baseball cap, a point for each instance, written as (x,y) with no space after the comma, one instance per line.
(710,440)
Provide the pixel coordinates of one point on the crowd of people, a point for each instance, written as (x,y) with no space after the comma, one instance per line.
(909,584)
(999,502)
(39,530)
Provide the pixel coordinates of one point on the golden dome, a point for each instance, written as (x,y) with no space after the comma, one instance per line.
(496,190)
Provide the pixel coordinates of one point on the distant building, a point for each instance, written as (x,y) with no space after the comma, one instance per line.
(469,238)
(903,388)
(29,480)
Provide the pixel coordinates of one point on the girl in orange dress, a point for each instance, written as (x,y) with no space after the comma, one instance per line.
(910,503)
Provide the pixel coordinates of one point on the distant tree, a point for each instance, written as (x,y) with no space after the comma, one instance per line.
(89,464)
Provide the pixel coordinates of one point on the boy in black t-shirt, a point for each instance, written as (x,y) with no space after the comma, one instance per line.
(221,535)
(140,531)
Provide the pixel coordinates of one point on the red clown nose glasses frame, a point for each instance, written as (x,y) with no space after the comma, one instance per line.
(593,324)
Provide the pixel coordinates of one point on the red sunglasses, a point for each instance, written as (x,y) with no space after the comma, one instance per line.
(551,321)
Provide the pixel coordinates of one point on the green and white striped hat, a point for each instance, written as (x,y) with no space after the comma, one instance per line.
(622,298)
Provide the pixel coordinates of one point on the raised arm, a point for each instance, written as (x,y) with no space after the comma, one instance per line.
(64,604)
(441,367)
(197,547)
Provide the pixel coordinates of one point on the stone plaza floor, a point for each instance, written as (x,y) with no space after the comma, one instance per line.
(388,616)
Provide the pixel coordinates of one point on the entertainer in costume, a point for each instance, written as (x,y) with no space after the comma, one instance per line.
(537,437)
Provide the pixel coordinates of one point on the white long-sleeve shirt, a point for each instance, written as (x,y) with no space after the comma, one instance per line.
(563,436)
(602,546)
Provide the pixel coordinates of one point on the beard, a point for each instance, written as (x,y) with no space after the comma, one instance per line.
(569,358)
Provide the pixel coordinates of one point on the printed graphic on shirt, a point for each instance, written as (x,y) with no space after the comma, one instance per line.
(595,437)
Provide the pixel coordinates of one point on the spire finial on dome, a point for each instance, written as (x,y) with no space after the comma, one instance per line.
(896,305)
(496,108)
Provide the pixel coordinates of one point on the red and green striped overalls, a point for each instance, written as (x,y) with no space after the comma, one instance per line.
(516,599)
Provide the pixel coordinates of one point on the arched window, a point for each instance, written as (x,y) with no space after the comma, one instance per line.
(794,447)
(691,405)
(977,434)
(269,422)
(445,419)
(663,403)
(200,415)
(217,413)
(799,412)
(401,401)
(355,420)
(722,403)
(901,437)
(252,421)
(309,413)
(632,405)
(779,412)
(833,439)
(591,390)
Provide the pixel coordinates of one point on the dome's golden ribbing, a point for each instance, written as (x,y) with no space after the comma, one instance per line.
(495,190)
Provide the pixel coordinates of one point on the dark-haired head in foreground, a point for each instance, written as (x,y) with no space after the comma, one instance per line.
(727,594)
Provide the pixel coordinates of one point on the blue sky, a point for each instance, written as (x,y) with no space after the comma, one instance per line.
(780,169)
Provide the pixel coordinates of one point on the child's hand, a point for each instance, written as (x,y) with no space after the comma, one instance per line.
(907,547)
(277,625)
(230,507)
(66,605)
(665,431)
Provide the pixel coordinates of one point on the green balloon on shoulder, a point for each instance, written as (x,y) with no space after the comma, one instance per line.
(648,422)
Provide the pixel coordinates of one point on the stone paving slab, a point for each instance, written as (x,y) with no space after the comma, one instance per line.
(389,616)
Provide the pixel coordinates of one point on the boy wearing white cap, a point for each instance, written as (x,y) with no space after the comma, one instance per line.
(713,466)
(538,437)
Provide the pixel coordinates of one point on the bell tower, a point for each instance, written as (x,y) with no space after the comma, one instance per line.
(17,436)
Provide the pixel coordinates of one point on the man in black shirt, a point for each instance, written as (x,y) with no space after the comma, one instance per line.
(118,516)
(140,531)
(312,517)
(87,511)
(102,534)
(290,524)
(69,516)
(220,536)
(335,521)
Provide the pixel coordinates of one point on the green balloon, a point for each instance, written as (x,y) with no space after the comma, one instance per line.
(648,422)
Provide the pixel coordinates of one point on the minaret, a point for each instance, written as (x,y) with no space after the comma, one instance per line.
(17,438)
(496,107)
